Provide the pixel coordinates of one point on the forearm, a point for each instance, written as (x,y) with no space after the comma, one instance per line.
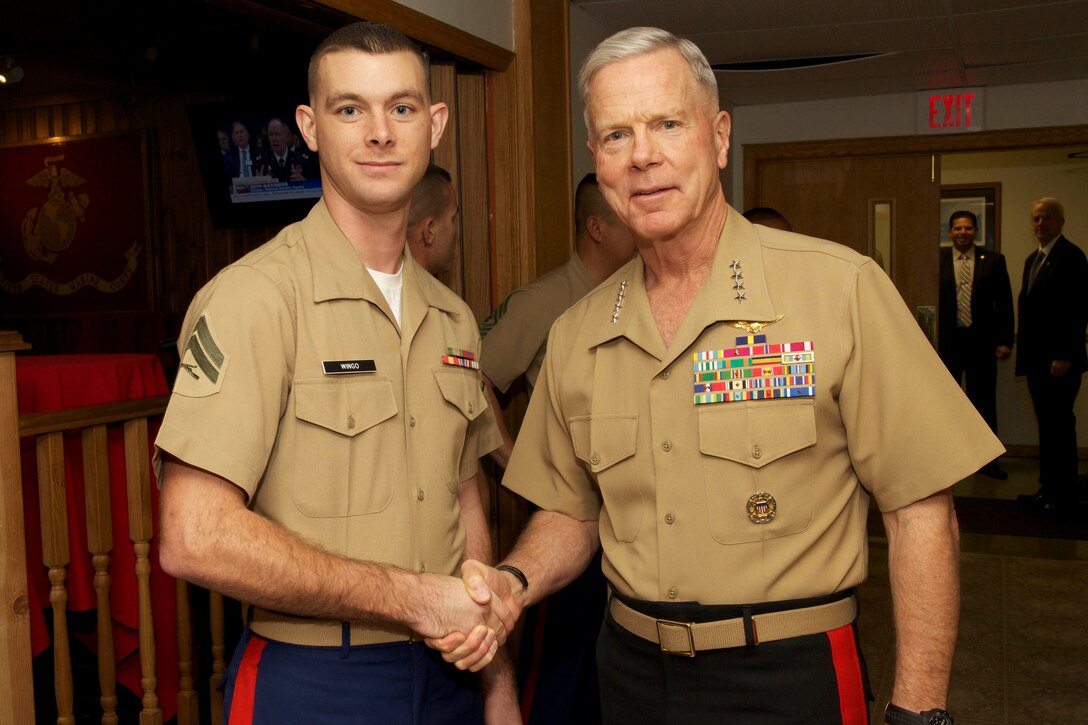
(923,562)
(477,534)
(552,551)
(210,538)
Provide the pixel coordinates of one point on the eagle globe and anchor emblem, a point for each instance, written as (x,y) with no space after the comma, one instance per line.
(50,229)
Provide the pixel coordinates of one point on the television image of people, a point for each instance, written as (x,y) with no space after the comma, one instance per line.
(256,169)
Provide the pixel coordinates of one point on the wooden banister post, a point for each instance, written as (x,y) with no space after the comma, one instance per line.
(16,680)
(96,487)
(138,478)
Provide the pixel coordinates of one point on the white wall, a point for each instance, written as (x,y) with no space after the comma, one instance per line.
(1025,176)
(491,20)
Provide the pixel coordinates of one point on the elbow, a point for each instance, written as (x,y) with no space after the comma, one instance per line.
(182,543)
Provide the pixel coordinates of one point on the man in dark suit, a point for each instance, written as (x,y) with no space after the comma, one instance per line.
(975,324)
(1053,316)
(245,160)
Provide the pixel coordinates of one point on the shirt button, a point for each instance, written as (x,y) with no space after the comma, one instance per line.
(420,495)
(671,593)
(594,459)
(757,452)
(470,407)
(422,568)
(351,421)
(669,518)
(666,446)
(412,421)
(665,374)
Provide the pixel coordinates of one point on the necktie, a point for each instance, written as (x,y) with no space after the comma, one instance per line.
(1035,267)
(246,170)
(963,291)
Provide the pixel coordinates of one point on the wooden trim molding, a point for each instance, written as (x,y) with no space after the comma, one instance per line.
(426,30)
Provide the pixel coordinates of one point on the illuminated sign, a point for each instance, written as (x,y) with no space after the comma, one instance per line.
(950,111)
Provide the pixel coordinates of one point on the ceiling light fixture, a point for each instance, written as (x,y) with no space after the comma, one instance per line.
(10,73)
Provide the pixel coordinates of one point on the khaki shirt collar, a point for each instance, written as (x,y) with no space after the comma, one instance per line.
(340,274)
(715,302)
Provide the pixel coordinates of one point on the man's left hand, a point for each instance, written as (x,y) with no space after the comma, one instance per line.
(1003,352)
(1060,367)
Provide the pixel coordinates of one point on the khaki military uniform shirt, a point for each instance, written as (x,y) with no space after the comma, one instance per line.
(684,492)
(298,386)
(516,332)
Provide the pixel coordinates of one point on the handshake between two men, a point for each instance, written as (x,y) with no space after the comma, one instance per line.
(475,626)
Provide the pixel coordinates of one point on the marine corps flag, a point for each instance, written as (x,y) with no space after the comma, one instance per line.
(73,226)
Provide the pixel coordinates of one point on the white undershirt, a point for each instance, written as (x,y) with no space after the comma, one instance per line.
(390,285)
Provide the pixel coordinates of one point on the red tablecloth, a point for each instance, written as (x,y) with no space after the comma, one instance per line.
(57,382)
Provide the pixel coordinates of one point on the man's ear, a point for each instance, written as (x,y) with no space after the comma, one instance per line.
(593,226)
(427,226)
(307,126)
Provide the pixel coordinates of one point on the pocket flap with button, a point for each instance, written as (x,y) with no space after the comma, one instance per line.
(604,440)
(462,390)
(347,407)
(756,433)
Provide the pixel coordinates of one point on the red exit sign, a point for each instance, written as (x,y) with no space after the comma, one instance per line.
(950,111)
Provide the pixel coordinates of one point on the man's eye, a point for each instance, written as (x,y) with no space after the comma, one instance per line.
(669,125)
(349,111)
(614,136)
(402,110)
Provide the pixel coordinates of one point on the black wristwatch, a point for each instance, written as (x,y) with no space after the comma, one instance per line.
(895,715)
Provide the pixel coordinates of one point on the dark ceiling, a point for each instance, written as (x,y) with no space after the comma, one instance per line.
(237,47)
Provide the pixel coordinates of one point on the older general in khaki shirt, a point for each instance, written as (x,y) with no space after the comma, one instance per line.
(716,416)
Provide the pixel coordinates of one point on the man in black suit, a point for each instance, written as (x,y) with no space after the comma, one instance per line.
(976,324)
(1053,316)
(245,160)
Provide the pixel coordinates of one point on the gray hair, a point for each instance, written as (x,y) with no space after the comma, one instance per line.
(1052,203)
(639,41)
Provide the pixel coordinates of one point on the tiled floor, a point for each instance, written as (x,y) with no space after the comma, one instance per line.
(1022,655)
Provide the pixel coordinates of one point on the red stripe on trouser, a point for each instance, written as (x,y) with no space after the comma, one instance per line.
(529,689)
(245,684)
(844,653)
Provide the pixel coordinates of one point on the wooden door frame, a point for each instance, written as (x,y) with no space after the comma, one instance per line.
(893,145)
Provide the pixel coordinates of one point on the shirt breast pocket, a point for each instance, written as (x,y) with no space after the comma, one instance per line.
(342,466)
(462,390)
(606,444)
(754,448)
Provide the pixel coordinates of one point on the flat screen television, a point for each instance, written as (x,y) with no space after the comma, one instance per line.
(255,167)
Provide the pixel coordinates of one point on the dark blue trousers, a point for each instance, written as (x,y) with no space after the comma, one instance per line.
(272,682)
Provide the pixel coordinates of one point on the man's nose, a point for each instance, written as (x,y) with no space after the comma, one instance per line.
(644,151)
(380,131)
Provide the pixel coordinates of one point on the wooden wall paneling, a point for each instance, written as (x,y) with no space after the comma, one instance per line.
(444,89)
(475,243)
(551,142)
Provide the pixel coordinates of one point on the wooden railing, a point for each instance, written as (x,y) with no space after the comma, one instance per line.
(16,681)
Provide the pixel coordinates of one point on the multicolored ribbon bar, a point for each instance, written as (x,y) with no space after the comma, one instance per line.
(460,362)
(755,370)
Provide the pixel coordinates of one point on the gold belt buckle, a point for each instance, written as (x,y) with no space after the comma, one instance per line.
(685,626)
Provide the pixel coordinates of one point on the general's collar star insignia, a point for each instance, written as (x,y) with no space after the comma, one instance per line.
(753,328)
(738,283)
(619,301)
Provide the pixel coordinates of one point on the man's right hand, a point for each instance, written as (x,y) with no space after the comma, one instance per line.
(484,584)
(465,612)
